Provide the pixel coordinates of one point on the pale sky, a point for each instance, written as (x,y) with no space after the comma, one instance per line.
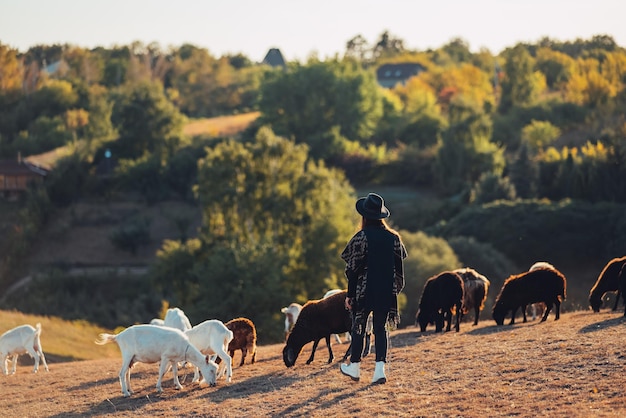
(300,28)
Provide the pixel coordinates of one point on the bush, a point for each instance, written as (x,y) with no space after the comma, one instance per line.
(131,235)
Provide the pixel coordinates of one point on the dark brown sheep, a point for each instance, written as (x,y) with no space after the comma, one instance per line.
(475,289)
(541,285)
(318,319)
(607,282)
(442,294)
(244,338)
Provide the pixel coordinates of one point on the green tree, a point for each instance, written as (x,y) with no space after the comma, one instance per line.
(540,134)
(491,187)
(147,122)
(312,99)
(466,151)
(267,192)
(524,174)
(521,85)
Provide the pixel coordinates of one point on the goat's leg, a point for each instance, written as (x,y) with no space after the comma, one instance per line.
(162,370)
(31,352)
(476,313)
(227,361)
(125,377)
(524,308)
(175,372)
(14,363)
(310,360)
(457,326)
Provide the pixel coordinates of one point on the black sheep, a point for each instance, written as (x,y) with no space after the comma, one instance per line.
(441,294)
(318,319)
(607,282)
(541,285)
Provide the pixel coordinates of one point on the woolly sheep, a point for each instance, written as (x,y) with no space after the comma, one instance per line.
(607,282)
(318,319)
(244,338)
(441,295)
(542,285)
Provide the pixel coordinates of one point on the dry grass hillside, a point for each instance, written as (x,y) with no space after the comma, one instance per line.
(573,367)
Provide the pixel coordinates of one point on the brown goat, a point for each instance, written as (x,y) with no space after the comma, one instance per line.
(244,338)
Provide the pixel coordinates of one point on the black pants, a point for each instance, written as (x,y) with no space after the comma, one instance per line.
(380,336)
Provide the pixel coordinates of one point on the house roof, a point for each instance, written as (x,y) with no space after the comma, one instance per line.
(15,168)
(274,58)
(388,75)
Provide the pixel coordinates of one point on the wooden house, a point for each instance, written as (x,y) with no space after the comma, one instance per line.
(17,175)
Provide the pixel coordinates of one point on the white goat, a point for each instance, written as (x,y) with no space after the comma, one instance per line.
(176,318)
(212,337)
(157,321)
(20,340)
(151,344)
(291,316)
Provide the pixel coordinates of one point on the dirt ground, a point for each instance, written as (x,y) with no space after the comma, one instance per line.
(573,367)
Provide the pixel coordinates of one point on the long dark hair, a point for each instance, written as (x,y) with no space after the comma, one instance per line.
(378,222)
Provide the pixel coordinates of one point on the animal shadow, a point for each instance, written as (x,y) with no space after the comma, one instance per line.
(599,326)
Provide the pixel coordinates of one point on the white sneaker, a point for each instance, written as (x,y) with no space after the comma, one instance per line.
(353,370)
(379,373)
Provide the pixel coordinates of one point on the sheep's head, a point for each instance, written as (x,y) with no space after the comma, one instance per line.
(422,319)
(290,354)
(595,301)
(499,312)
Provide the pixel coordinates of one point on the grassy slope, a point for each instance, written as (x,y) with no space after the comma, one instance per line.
(61,340)
(573,367)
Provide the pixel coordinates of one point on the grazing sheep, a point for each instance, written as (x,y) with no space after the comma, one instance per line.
(442,293)
(212,337)
(537,309)
(176,318)
(541,285)
(475,289)
(151,344)
(318,319)
(244,338)
(20,340)
(607,282)
(292,311)
(291,316)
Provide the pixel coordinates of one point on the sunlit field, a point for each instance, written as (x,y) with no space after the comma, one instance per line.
(573,367)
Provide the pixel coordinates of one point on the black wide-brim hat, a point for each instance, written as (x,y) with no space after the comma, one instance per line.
(372,207)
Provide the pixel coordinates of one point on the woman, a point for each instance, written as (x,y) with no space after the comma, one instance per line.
(374,268)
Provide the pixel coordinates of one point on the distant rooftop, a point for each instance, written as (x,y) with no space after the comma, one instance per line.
(388,75)
(274,58)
